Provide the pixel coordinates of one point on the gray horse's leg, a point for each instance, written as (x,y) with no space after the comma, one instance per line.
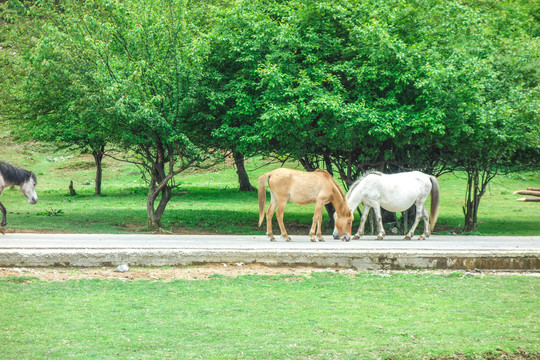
(378,218)
(4,221)
(360,231)
(419,214)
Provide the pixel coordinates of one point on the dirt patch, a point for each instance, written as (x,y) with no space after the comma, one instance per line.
(206,271)
(201,272)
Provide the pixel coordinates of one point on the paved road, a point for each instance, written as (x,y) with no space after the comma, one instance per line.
(456,252)
(144,241)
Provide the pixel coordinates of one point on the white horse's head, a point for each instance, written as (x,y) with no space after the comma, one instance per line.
(28,188)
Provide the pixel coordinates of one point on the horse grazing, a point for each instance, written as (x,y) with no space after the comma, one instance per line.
(395,192)
(26,180)
(303,188)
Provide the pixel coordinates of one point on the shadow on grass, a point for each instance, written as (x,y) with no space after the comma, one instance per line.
(204,210)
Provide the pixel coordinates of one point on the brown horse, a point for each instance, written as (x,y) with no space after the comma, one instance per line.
(303,188)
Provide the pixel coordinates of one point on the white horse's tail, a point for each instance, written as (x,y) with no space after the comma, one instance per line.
(262,195)
(434,202)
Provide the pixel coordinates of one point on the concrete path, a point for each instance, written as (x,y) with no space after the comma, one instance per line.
(438,252)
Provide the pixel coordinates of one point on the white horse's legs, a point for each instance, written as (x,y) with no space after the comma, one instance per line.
(427,230)
(419,214)
(378,218)
(360,231)
(317,223)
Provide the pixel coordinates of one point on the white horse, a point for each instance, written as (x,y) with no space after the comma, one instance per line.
(26,180)
(395,193)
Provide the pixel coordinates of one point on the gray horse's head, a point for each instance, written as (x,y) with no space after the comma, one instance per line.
(28,188)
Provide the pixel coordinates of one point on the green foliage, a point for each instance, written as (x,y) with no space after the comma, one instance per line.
(416,85)
(399,316)
(51,212)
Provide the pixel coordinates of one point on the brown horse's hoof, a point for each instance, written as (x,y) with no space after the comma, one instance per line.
(421,237)
(3,230)
(271,238)
(407,237)
(321,239)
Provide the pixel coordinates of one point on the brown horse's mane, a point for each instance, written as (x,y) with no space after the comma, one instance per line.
(335,183)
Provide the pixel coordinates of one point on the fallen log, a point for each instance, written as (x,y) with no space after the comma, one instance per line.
(533,189)
(529,199)
(528,192)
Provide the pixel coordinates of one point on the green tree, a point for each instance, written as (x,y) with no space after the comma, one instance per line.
(427,85)
(231,100)
(51,95)
(129,68)
(486,83)
(149,53)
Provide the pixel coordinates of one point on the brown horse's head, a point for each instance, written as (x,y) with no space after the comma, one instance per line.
(343,225)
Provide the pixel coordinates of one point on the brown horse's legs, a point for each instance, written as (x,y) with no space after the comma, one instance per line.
(4,221)
(279,215)
(316,225)
(269,216)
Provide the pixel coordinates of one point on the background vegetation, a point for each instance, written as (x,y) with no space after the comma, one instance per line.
(171,85)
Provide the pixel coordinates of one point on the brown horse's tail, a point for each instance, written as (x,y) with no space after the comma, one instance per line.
(262,196)
(434,202)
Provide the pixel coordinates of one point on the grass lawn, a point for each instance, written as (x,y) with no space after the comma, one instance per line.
(326,315)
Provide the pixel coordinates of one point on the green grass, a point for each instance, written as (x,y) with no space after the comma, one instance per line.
(213,203)
(402,316)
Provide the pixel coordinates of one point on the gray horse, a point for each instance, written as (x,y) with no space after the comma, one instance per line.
(10,176)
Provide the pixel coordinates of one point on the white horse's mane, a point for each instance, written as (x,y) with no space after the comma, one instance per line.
(360,179)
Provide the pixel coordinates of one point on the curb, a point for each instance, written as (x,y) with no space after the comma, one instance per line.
(356,259)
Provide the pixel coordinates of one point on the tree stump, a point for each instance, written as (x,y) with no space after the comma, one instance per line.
(71,189)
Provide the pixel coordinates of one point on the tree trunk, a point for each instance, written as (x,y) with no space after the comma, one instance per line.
(408,216)
(155,213)
(404,222)
(471,201)
(371,223)
(477,181)
(158,186)
(98,157)
(243,177)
